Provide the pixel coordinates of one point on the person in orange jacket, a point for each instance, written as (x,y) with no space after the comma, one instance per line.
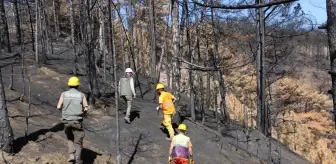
(166,101)
(181,147)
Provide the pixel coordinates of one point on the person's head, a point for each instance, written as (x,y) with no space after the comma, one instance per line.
(129,72)
(73,82)
(159,88)
(182,128)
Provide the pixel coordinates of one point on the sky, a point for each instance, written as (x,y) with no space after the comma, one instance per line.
(316,8)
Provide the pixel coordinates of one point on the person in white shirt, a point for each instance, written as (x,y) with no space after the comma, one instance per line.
(127,91)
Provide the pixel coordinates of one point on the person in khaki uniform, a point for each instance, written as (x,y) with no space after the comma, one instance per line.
(73,104)
(127,92)
(166,101)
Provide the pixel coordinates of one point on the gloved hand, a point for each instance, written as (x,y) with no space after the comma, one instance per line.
(192,161)
(170,160)
(158,108)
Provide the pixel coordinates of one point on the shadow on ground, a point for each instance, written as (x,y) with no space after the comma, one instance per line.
(134,114)
(20,142)
(89,156)
(135,151)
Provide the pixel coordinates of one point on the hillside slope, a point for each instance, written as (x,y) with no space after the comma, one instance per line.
(141,142)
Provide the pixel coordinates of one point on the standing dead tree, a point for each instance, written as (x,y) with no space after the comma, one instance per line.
(138,84)
(4,33)
(154,79)
(17,22)
(262,113)
(176,50)
(90,59)
(73,40)
(6,133)
(37,20)
(259,5)
(331,29)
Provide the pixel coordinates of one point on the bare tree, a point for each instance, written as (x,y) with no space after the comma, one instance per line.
(191,60)
(38,15)
(331,29)
(73,40)
(31,24)
(153,44)
(90,54)
(17,22)
(6,133)
(115,80)
(176,50)
(56,12)
(4,28)
(215,57)
(262,113)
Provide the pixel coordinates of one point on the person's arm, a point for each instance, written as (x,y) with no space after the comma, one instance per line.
(60,102)
(171,148)
(190,148)
(173,98)
(85,104)
(132,86)
(119,87)
(161,102)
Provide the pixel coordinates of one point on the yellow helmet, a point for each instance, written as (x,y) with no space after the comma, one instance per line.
(182,127)
(159,86)
(73,81)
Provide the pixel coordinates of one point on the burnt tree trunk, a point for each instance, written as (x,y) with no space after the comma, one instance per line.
(73,41)
(17,22)
(176,49)
(6,133)
(4,27)
(55,13)
(90,59)
(153,72)
(31,25)
(37,15)
(331,29)
(262,113)
(191,60)
(215,57)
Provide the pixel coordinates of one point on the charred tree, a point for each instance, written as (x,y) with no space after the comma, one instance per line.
(262,113)
(176,51)
(37,20)
(73,41)
(215,57)
(5,42)
(331,29)
(90,56)
(153,72)
(6,133)
(31,25)
(56,12)
(17,22)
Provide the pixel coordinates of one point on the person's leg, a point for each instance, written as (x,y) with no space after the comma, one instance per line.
(70,137)
(167,123)
(78,141)
(129,107)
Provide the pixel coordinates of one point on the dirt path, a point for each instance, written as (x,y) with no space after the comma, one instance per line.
(141,142)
